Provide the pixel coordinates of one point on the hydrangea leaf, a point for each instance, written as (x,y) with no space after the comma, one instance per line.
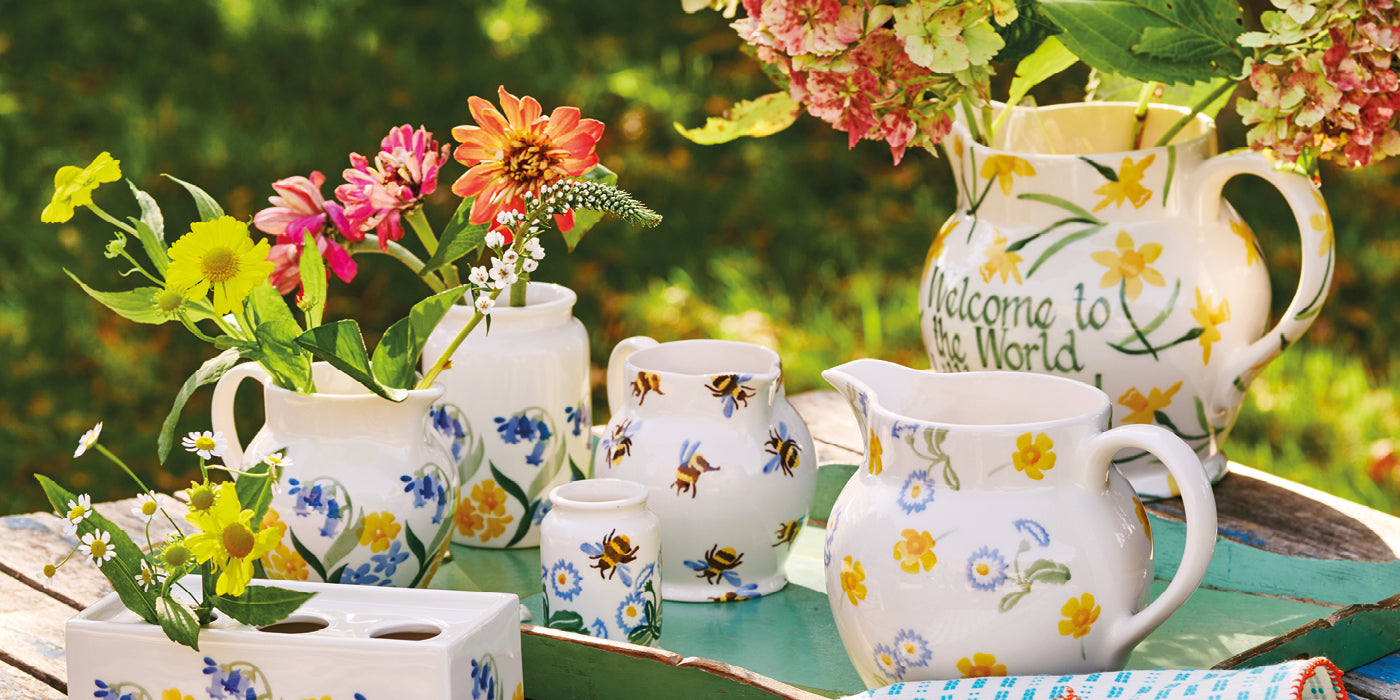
(1167,41)
(763,116)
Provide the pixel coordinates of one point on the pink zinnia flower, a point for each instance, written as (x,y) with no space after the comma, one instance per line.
(298,209)
(404,172)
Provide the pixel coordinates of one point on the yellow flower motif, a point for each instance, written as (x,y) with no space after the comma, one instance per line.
(1141,513)
(1129,185)
(1005,168)
(467,520)
(915,551)
(219,255)
(1322,221)
(957,146)
(1080,614)
(980,666)
(519,693)
(174,694)
(288,563)
(1143,407)
(1210,317)
(936,249)
(852,577)
(1000,262)
(495,527)
(490,498)
(379,531)
(1130,265)
(1251,251)
(1034,455)
(227,538)
(73,186)
(875,461)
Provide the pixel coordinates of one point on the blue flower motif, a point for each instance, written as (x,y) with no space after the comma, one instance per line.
(1034,530)
(359,576)
(308,499)
(515,428)
(887,660)
(483,679)
(542,508)
(536,456)
(911,649)
(565,580)
(830,536)
(106,691)
(388,561)
(901,427)
(986,569)
(441,505)
(574,416)
(599,628)
(631,612)
(645,575)
(332,523)
(916,493)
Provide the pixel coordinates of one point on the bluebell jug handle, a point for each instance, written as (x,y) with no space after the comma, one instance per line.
(221,408)
(617,363)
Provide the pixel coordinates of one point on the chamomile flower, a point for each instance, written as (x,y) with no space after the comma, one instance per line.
(47,572)
(78,511)
(97,546)
(277,461)
(146,507)
(206,444)
(88,440)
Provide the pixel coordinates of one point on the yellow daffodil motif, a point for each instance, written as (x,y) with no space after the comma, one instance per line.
(1322,221)
(980,666)
(1000,261)
(218,255)
(1143,407)
(915,551)
(1128,186)
(874,460)
(1210,316)
(1129,264)
(1251,251)
(1080,614)
(227,538)
(1034,455)
(853,580)
(73,186)
(1005,168)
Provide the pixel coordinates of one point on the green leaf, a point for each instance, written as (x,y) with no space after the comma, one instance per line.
(307,556)
(342,345)
(279,354)
(513,490)
(1113,87)
(261,605)
(137,305)
(415,547)
(150,229)
(568,621)
(1049,59)
(254,489)
(266,305)
(178,623)
(313,285)
(1166,41)
(208,208)
(1059,245)
(1047,571)
(460,238)
(763,116)
(585,219)
(1104,170)
(395,360)
(208,373)
(348,539)
(1011,599)
(121,569)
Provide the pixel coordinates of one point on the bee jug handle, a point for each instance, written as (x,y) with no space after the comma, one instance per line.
(617,363)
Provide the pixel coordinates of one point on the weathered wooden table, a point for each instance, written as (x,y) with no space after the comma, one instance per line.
(1335,564)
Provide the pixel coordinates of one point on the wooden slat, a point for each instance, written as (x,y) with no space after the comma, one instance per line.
(31,625)
(1379,680)
(16,684)
(833,426)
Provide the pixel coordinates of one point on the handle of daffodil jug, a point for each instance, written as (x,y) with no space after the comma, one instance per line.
(221,410)
(1314,279)
(617,362)
(1184,466)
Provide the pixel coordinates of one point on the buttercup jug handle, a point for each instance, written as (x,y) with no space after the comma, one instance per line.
(1315,229)
(221,409)
(1183,464)
(617,361)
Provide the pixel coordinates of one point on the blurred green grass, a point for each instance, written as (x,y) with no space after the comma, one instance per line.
(793,240)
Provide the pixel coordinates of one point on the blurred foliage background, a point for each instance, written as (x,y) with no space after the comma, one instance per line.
(793,240)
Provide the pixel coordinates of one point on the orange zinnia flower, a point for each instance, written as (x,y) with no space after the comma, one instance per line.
(517,152)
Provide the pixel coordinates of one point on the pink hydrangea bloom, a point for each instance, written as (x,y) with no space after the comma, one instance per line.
(404,172)
(298,209)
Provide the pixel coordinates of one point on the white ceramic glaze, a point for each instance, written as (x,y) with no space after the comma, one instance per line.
(348,643)
(986,531)
(1071,254)
(600,559)
(367,492)
(731,468)
(518,406)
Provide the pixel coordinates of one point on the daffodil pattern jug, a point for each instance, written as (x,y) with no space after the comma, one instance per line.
(1071,253)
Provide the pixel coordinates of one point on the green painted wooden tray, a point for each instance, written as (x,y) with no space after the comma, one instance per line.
(785,644)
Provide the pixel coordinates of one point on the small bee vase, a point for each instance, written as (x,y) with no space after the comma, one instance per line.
(730,466)
(600,559)
(987,532)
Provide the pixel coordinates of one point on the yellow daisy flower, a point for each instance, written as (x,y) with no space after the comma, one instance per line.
(915,551)
(227,538)
(1130,265)
(379,531)
(219,255)
(73,186)
(980,666)
(852,580)
(1080,614)
(1034,455)
(1129,185)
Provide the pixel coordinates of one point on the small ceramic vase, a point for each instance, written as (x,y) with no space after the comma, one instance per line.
(367,490)
(987,532)
(600,558)
(731,467)
(518,408)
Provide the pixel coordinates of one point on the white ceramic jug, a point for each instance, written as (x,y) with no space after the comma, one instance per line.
(987,532)
(730,465)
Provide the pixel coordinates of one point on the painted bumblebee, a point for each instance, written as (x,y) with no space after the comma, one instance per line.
(619,444)
(748,591)
(691,467)
(730,389)
(787,454)
(645,383)
(717,565)
(612,556)
(787,532)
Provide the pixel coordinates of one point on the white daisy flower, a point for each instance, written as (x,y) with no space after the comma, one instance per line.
(46,574)
(205,444)
(484,304)
(146,507)
(97,546)
(495,239)
(88,440)
(78,511)
(148,576)
(277,461)
(478,276)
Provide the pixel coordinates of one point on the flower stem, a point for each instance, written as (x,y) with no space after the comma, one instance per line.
(120,463)
(1225,87)
(111,219)
(419,223)
(446,357)
(1140,115)
(370,244)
